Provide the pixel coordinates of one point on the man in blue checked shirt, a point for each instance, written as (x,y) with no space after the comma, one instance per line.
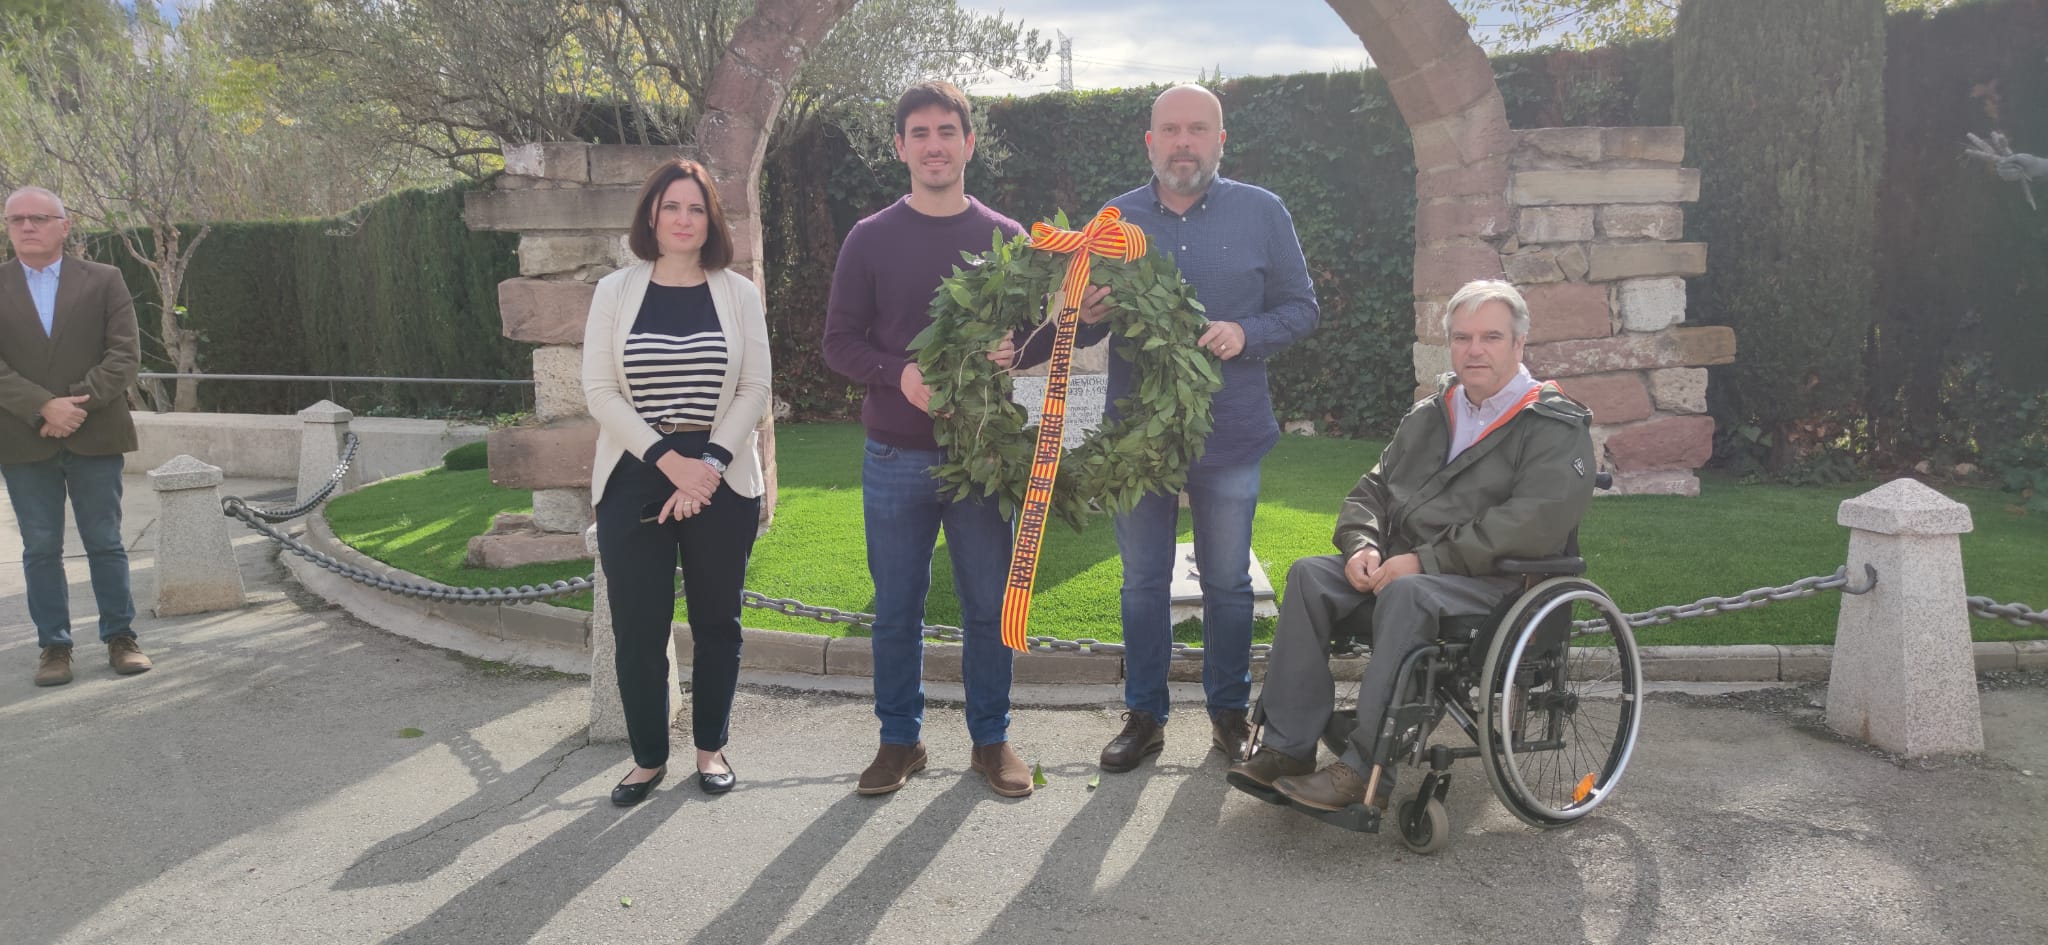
(1235,244)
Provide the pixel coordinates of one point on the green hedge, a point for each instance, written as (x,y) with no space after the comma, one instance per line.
(1783,105)
(398,288)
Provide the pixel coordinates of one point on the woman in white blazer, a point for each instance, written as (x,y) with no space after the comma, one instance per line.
(675,369)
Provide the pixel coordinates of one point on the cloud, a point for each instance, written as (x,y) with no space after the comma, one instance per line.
(1149,41)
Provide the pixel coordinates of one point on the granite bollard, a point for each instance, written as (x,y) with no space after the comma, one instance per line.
(323,427)
(1904,675)
(195,561)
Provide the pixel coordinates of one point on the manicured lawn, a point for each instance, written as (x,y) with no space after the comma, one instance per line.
(1645,550)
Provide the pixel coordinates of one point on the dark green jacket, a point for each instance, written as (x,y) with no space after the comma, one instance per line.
(1518,492)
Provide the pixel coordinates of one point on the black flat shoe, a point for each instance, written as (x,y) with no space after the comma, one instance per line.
(717,783)
(627,795)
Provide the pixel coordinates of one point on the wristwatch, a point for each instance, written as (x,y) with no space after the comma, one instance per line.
(714,462)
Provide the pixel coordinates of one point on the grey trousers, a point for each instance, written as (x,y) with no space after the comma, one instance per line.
(1299,693)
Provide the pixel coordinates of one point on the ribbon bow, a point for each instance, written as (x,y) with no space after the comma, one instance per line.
(1109,236)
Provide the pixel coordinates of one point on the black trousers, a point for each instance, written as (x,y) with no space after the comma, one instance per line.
(639,561)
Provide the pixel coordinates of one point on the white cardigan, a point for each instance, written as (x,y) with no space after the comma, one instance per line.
(742,399)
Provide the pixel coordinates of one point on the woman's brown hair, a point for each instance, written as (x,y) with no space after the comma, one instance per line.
(716,252)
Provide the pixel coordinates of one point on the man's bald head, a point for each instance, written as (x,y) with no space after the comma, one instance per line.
(1186,140)
(1188,96)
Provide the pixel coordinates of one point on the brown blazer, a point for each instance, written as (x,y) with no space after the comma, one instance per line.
(91,349)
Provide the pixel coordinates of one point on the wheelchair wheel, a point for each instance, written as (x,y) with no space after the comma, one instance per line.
(1430,832)
(1344,711)
(1562,702)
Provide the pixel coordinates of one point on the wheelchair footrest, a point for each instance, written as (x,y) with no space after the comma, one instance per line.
(1358,818)
(1256,789)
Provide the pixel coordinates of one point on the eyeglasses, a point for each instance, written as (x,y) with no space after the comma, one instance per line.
(32,219)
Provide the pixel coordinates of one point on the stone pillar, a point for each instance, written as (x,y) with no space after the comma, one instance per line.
(607,713)
(195,562)
(1903,677)
(1593,245)
(323,427)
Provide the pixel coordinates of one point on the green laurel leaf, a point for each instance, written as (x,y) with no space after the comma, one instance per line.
(1159,430)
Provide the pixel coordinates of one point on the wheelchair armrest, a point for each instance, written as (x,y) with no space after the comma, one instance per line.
(1544,567)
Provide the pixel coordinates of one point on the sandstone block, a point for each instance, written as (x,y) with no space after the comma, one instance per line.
(1562,310)
(561,510)
(1535,266)
(511,548)
(1657,482)
(542,312)
(554,160)
(1612,262)
(1648,221)
(1486,178)
(1555,225)
(589,208)
(1665,144)
(1447,86)
(1429,321)
(1652,304)
(1431,362)
(1675,347)
(1472,134)
(551,255)
(558,382)
(555,456)
(1667,443)
(1578,144)
(1655,185)
(1467,217)
(1679,390)
(1573,260)
(1613,398)
(1441,268)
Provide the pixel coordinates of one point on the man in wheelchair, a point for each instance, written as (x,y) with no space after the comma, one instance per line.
(1495,464)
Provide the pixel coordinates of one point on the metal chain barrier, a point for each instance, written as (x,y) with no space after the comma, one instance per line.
(349,442)
(1760,597)
(2017,614)
(261,520)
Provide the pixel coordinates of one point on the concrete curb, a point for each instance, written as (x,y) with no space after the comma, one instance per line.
(558,638)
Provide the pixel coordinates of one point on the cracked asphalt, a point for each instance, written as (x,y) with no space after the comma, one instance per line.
(256,788)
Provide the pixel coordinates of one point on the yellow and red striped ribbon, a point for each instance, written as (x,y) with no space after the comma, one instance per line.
(1106,235)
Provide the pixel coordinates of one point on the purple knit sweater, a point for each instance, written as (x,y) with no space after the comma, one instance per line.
(889,269)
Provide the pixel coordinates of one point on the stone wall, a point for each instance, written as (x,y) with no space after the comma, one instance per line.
(569,203)
(1594,243)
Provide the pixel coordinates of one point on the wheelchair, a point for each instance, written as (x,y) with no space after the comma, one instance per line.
(1559,702)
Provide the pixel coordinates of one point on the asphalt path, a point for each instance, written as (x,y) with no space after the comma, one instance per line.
(258,786)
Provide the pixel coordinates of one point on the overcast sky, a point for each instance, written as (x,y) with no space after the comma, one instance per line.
(1120,43)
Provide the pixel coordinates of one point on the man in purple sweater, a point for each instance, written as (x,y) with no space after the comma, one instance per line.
(882,290)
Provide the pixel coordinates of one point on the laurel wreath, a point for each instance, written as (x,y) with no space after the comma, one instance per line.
(1158,430)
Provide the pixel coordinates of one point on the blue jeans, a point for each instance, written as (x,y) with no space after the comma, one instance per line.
(1223,500)
(37,491)
(904,512)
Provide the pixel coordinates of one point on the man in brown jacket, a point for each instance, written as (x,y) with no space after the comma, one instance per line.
(68,354)
(1495,464)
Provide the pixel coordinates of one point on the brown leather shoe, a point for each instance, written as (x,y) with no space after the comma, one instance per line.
(893,765)
(1231,733)
(53,668)
(1142,736)
(1268,765)
(1006,773)
(126,657)
(1333,788)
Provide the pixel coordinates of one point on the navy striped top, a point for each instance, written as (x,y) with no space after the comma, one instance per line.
(675,356)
